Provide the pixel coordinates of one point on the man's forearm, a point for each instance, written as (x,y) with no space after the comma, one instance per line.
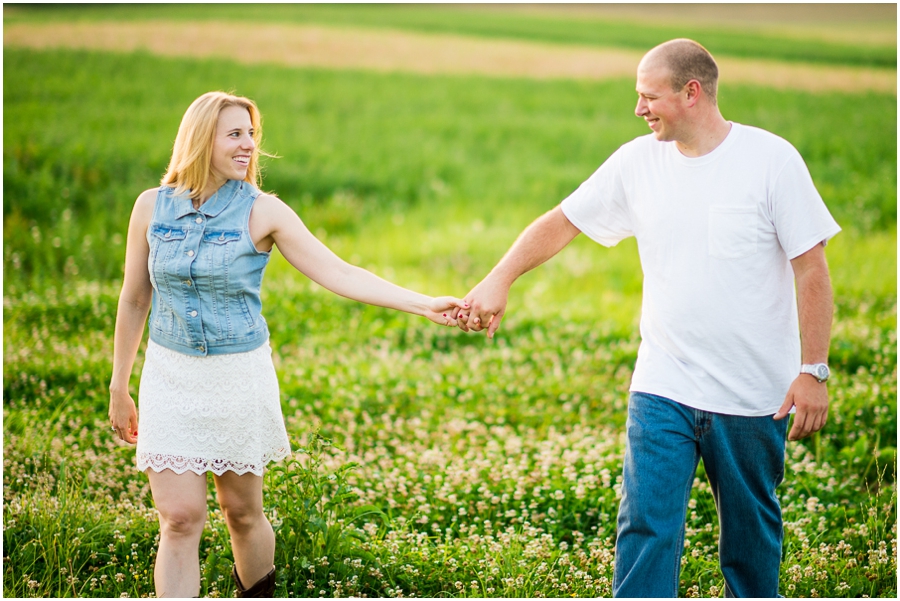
(538,243)
(815,308)
(545,237)
(815,302)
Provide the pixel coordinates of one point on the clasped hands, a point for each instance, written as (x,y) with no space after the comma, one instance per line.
(483,307)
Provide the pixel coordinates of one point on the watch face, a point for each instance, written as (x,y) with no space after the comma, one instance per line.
(821,371)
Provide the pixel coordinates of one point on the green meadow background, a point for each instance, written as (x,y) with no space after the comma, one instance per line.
(428,462)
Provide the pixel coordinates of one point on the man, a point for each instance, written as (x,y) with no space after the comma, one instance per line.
(727,220)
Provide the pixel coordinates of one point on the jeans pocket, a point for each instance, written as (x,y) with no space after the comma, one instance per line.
(732,232)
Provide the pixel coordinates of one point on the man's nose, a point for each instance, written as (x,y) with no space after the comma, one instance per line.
(641,109)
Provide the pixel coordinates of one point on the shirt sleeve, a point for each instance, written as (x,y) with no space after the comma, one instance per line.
(599,207)
(800,216)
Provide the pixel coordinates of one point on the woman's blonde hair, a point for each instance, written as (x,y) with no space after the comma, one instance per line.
(189,167)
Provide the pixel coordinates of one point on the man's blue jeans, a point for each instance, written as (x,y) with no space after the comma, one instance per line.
(744,460)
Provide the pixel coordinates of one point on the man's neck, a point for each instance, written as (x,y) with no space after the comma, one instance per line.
(705,138)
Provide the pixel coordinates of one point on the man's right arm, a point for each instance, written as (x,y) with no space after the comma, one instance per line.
(540,241)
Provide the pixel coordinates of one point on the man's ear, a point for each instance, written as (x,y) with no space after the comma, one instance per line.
(692,90)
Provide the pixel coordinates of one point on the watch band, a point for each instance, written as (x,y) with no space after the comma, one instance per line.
(819,371)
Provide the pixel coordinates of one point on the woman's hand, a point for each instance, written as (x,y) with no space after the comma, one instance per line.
(123,416)
(443,310)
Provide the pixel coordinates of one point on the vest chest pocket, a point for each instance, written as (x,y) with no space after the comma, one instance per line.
(164,244)
(221,236)
(219,245)
(165,233)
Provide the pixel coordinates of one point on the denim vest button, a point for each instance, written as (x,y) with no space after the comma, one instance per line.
(199,220)
(190,253)
(168,234)
(193,314)
(188,283)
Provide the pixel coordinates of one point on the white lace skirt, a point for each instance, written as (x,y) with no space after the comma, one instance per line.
(209,414)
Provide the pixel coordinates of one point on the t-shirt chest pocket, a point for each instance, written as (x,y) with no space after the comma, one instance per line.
(733,232)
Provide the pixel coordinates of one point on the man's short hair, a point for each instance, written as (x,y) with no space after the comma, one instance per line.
(687,60)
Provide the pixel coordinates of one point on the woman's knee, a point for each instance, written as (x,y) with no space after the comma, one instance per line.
(240,514)
(180,500)
(182,520)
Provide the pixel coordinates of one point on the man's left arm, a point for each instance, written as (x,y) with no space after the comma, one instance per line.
(815,304)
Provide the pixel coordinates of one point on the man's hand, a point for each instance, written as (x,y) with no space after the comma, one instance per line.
(810,397)
(487,304)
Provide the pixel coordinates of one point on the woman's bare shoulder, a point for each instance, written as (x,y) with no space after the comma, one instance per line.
(268,199)
(143,206)
(148,196)
(272,207)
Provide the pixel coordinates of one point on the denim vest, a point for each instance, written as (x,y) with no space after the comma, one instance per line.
(206,273)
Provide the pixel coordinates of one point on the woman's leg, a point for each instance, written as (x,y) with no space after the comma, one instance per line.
(180,500)
(252,537)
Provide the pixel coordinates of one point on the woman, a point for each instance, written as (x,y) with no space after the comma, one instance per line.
(196,252)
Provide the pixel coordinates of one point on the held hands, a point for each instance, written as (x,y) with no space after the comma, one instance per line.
(443,310)
(123,416)
(810,397)
(488,304)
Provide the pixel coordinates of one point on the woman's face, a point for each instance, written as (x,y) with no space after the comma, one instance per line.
(233,145)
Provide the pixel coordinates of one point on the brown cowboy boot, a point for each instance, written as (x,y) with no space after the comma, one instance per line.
(264,587)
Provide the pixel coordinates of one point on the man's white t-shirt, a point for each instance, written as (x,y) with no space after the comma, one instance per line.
(716,233)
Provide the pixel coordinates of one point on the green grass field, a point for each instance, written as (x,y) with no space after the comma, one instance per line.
(429,462)
(777,40)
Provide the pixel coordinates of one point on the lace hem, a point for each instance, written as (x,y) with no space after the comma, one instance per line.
(199,465)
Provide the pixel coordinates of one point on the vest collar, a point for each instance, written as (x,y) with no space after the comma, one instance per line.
(212,207)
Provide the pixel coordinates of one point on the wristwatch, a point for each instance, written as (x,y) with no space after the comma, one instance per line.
(818,370)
